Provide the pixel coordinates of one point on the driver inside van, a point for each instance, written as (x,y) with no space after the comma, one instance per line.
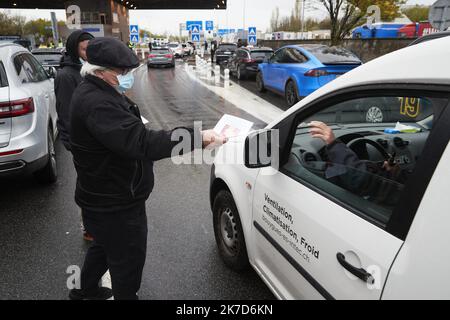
(345,169)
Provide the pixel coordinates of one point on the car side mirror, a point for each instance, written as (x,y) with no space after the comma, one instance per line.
(261,149)
(52,72)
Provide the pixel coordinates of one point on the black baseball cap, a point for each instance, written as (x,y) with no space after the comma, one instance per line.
(111,53)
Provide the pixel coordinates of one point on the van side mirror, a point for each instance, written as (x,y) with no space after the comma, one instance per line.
(261,149)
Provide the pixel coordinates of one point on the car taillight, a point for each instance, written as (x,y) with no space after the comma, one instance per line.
(248,60)
(16,108)
(152,55)
(10,153)
(168,56)
(316,73)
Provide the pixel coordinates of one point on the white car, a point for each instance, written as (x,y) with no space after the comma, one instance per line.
(27,115)
(362,216)
(177,49)
(187,49)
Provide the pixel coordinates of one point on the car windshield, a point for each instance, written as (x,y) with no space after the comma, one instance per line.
(261,54)
(173,45)
(334,55)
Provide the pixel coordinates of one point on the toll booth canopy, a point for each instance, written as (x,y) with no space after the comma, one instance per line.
(131,4)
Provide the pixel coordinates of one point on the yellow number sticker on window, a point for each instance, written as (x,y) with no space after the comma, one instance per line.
(410,107)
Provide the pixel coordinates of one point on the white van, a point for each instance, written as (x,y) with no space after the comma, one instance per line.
(361,212)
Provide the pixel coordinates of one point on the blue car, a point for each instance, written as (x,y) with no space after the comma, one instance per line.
(296,71)
(378,30)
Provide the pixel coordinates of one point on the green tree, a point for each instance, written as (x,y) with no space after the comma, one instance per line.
(417,13)
(11,25)
(39,28)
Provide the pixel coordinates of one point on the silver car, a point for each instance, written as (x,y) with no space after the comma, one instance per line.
(161,57)
(27,115)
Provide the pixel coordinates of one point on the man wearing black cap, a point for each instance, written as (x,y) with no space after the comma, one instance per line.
(66,81)
(113,155)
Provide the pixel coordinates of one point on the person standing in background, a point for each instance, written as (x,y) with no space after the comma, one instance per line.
(67,80)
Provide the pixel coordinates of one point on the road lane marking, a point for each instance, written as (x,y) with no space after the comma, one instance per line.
(244,100)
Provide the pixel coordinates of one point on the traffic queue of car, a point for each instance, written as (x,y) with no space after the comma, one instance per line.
(293,71)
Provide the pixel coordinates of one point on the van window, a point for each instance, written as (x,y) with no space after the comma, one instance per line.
(374,147)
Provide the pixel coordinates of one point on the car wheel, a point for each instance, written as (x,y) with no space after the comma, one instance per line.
(260,82)
(228,232)
(374,115)
(49,174)
(291,94)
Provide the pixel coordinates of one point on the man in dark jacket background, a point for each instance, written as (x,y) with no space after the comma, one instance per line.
(113,155)
(67,80)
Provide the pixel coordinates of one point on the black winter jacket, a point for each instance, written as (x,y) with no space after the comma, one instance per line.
(67,79)
(112,150)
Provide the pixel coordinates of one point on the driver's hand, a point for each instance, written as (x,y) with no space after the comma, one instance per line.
(322,131)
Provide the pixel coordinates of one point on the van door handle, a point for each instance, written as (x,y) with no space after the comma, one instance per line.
(358,272)
(46,96)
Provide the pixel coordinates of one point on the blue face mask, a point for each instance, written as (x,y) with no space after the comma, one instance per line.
(125,81)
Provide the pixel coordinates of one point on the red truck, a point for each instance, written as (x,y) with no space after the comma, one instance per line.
(417,29)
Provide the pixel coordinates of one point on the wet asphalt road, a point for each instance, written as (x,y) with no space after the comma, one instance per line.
(250,84)
(40,233)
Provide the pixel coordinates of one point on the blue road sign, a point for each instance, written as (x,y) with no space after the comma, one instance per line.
(252,40)
(209,25)
(134,29)
(198,25)
(195,37)
(134,38)
(252,36)
(252,31)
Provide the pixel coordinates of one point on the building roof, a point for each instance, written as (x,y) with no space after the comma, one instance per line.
(138,4)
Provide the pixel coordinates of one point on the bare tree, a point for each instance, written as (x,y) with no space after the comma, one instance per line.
(275,21)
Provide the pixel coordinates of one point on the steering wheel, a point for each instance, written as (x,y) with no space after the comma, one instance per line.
(359,147)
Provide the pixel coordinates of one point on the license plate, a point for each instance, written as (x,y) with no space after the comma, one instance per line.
(227,52)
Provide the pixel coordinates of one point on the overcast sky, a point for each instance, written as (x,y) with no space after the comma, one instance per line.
(258,13)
